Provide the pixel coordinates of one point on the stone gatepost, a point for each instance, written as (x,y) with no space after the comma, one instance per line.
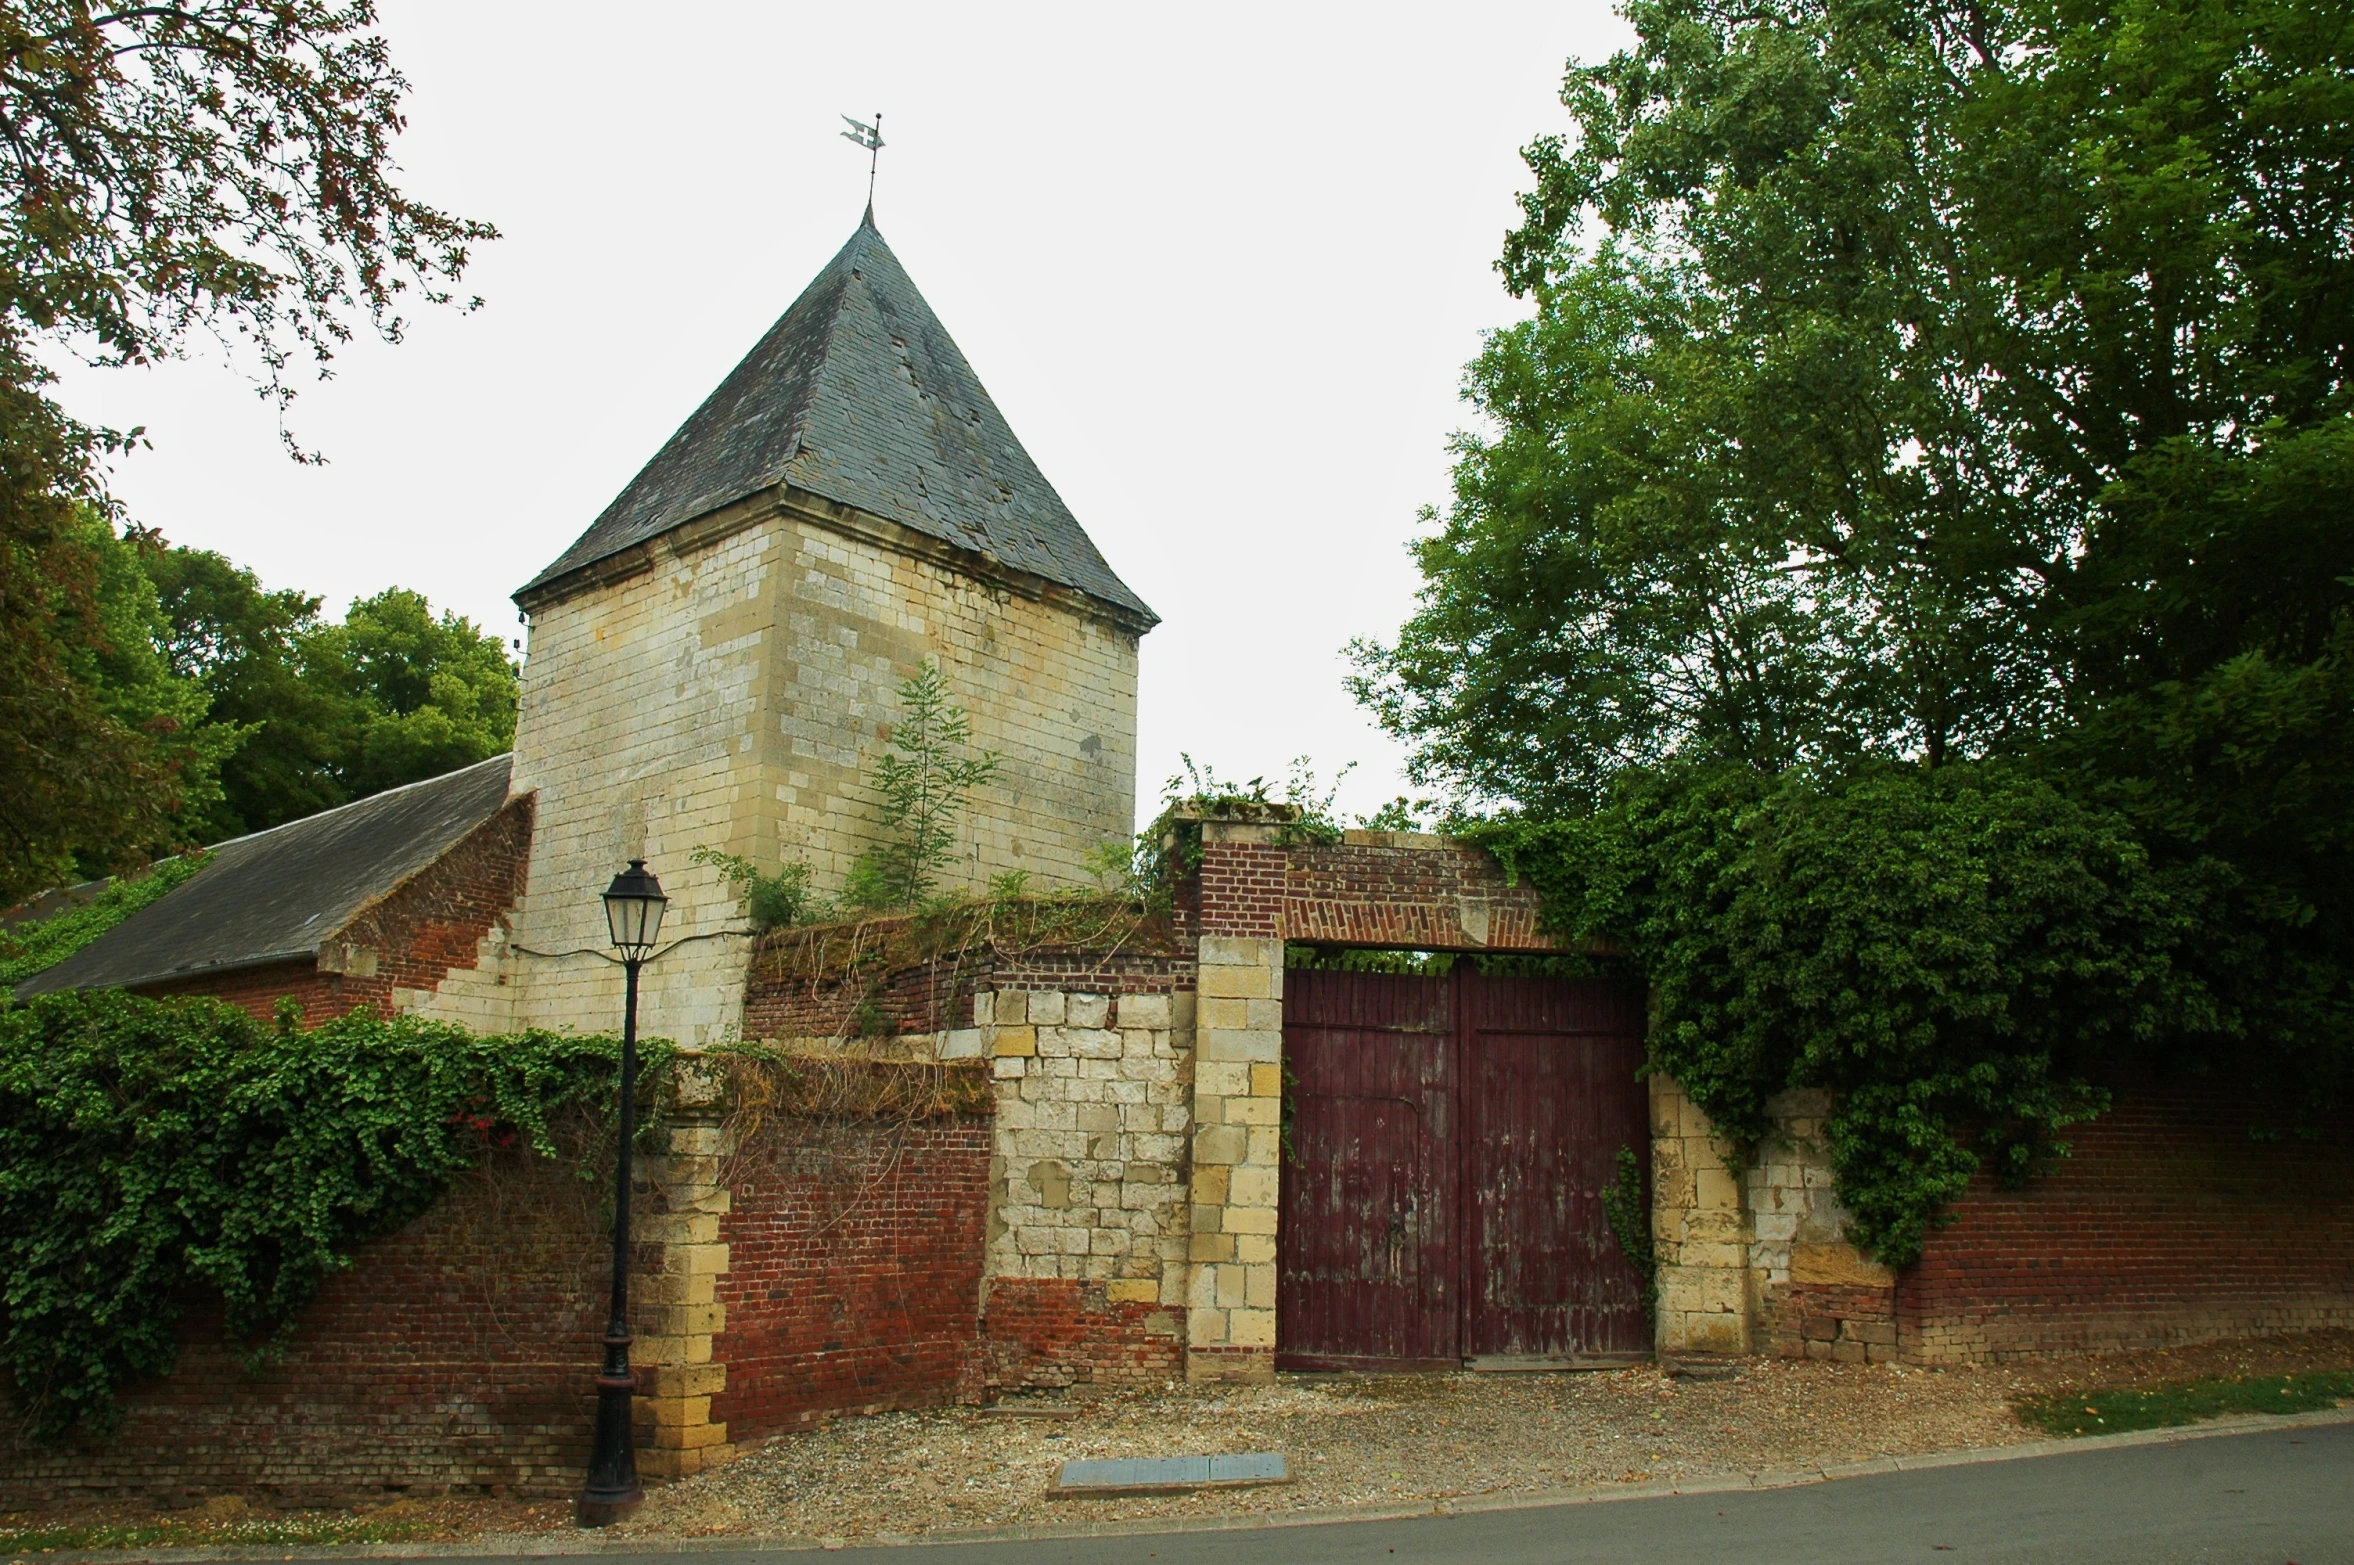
(1237,1104)
(1700,1225)
(678,1311)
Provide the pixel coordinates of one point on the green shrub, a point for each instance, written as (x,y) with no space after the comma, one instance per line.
(771,901)
(1949,952)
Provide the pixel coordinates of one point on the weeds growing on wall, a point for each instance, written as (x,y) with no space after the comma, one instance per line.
(154,1149)
(957,940)
(771,900)
(1626,1204)
(1169,850)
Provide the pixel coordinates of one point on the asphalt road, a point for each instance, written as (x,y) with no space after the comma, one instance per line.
(2266,1498)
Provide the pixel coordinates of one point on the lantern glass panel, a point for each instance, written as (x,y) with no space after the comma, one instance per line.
(633,908)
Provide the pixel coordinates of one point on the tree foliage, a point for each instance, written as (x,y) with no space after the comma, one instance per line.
(151,1150)
(104,746)
(217,164)
(1916,505)
(329,712)
(250,708)
(213,165)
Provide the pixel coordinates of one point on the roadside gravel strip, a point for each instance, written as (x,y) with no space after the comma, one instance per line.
(614,1543)
(1357,1448)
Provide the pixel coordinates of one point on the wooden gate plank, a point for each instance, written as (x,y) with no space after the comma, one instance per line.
(1366,1264)
(1551,1095)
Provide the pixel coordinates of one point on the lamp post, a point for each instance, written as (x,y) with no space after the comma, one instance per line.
(633,913)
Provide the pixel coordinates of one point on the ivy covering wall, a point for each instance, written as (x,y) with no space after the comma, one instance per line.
(153,1152)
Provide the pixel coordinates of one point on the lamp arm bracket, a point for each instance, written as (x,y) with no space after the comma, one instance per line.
(607,956)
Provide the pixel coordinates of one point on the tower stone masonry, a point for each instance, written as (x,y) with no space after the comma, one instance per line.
(716,661)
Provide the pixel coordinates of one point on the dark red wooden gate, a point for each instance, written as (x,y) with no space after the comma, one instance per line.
(1450,1139)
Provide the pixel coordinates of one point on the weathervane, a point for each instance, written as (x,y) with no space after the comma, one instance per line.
(871,138)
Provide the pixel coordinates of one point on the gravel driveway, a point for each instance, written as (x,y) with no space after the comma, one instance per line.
(1365,1440)
(1351,1441)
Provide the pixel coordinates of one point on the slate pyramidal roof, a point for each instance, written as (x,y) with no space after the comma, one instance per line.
(859,395)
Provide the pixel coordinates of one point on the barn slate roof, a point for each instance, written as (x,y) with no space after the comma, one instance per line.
(858,394)
(279,895)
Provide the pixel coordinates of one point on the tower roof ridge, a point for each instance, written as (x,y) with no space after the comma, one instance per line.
(859,395)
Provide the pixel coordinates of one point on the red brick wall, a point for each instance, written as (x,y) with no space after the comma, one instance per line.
(322,996)
(458,1354)
(923,997)
(854,1272)
(430,926)
(1048,1332)
(2168,1224)
(1240,888)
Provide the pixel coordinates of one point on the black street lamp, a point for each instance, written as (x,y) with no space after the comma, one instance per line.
(633,912)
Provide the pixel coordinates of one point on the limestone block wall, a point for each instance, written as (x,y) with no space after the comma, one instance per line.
(1049,685)
(1752,1250)
(731,685)
(1094,1118)
(1700,1229)
(640,699)
(1812,1294)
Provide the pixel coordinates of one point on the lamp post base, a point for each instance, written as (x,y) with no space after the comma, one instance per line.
(604,1513)
(613,1489)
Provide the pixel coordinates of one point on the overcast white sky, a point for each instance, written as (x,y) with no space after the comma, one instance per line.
(1220,265)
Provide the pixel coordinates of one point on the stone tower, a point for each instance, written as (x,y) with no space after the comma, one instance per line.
(715,662)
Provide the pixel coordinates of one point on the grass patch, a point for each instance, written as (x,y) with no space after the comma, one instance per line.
(2162,1407)
(291,1531)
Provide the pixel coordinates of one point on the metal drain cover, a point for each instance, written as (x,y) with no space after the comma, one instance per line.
(1168,1475)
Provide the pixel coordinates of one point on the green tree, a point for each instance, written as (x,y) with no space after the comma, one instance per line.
(427,694)
(328,712)
(246,646)
(1936,373)
(1904,558)
(113,745)
(921,787)
(173,167)
(77,785)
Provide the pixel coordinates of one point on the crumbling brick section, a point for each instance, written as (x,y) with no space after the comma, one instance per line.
(936,994)
(1846,1324)
(455,1356)
(1407,889)
(854,1271)
(431,925)
(1045,1333)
